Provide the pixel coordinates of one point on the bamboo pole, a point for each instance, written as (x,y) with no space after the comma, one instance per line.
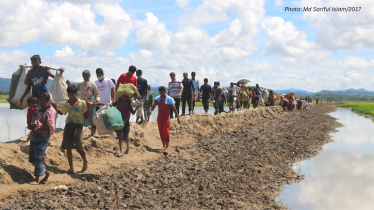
(43,66)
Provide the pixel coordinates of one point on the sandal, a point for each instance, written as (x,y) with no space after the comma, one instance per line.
(34,183)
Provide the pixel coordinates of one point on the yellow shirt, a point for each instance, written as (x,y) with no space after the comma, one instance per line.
(76,112)
(243,95)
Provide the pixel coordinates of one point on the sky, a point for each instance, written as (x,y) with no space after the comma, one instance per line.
(222,40)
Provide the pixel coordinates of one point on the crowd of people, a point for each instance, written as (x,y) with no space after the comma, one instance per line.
(96,94)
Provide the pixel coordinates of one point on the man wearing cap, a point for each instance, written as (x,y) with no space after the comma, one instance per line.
(235,91)
(128,77)
(195,95)
(175,88)
(188,89)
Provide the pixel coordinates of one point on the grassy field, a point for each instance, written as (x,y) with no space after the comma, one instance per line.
(362,107)
(3,100)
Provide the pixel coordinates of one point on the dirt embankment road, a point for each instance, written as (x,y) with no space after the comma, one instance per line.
(225,161)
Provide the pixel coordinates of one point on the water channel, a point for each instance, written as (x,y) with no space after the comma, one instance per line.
(13,121)
(340,177)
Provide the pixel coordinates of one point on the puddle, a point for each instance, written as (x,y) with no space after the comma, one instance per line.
(341,176)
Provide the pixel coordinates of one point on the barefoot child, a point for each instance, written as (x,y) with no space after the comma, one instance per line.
(124,106)
(148,103)
(165,103)
(231,99)
(33,105)
(77,111)
(40,137)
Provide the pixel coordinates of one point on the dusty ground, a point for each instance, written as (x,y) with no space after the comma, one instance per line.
(225,161)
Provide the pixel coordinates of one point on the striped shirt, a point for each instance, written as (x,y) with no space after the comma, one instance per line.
(175,88)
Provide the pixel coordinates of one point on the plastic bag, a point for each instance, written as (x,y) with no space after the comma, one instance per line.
(21,87)
(134,103)
(113,118)
(261,101)
(99,122)
(58,90)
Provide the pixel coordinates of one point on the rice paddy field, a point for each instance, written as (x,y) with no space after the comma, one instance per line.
(362,107)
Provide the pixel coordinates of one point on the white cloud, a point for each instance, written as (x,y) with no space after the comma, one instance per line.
(151,34)
(65,52)
(183,3)
(9,61)
(342,30)
(284,38)
(64,23)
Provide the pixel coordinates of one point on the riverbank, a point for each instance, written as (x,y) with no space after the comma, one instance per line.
(231,161)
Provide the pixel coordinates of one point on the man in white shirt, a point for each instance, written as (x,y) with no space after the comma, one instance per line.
(195,95)
(235,91)
(105,87)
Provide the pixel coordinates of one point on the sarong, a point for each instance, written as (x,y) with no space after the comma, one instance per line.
(38,145)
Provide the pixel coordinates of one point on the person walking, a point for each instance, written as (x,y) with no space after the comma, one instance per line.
(175,88)
(235,92)
(188,89)
(206,92)
(196,92)
(256,97)
(128,77)
(142,89)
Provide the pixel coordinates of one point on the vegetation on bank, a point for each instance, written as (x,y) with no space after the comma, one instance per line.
(362,107)
(332,97)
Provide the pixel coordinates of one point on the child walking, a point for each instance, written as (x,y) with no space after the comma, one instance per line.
(77,111)
(41,131)
(124,106)
(148,103)
(231,99)
(165,103)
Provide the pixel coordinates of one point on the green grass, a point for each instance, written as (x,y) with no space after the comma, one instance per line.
(2,100)
(362,107)
(4,96)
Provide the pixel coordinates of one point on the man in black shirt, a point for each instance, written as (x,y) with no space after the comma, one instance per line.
(188,89)
(142,89)
(206,91)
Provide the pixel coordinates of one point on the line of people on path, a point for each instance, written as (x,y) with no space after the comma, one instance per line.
(93,95)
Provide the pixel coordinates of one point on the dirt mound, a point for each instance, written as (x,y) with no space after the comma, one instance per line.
(16,171)
(245,168)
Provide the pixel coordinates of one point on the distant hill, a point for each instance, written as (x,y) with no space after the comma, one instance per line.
(348,92)
(293,90)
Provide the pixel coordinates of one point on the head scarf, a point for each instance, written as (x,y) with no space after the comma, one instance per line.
(50,112)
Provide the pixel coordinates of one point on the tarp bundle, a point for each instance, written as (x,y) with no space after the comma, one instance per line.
(17,89)
(128,90)
(58,89)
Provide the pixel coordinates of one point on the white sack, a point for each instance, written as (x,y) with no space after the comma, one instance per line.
(21,87)
(58,90)
(99,122)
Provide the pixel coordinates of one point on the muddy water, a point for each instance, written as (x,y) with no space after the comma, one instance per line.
(340,177)
(13,121)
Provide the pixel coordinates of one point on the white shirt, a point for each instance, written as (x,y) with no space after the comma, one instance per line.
(234,90)
(104,87)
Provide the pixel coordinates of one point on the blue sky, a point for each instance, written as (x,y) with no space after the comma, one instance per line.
(221,40)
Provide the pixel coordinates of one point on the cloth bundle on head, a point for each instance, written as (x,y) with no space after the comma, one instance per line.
(128,90)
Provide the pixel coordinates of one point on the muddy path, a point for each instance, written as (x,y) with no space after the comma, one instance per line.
(245,167)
